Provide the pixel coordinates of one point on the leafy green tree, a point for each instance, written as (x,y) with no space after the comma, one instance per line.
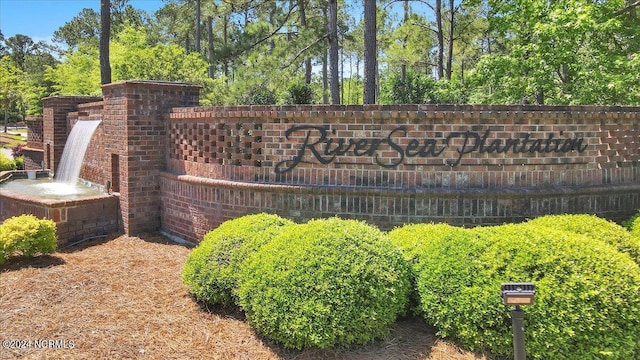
(11,86)
(32,59)
(132,58)
(563,52)
(85,27)
(3,49)
(79,72)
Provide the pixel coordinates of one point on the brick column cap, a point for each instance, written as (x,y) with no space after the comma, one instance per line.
(151,83)
(70,98)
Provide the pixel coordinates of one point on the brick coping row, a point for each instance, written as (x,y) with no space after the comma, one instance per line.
(395,191)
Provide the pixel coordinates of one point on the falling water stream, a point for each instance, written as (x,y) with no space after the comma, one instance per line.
(74,150)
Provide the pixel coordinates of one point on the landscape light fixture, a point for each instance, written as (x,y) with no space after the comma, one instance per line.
(518,294)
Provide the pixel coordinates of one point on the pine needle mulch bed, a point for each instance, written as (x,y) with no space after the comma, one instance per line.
(122,298)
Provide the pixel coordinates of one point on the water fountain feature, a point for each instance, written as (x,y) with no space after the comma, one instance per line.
(66,183)
(80,209)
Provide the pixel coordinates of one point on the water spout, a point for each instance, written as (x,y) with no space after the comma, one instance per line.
(74,150)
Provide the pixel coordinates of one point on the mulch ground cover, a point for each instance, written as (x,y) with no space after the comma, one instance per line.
(122,298)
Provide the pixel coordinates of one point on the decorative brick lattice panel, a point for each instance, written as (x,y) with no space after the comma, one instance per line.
(34,133)
(229,143)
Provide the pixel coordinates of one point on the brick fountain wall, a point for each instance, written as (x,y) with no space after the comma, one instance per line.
(184,169)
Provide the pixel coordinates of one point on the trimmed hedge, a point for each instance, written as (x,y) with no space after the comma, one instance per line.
(212,267)
(26,235)
(324,283)
(594,228)
(586,306)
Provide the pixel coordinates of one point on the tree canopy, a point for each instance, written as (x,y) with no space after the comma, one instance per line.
(426,51)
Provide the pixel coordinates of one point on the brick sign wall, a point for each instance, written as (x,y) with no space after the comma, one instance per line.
(395,164)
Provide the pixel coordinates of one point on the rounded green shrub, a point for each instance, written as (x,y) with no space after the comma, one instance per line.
(6,164)
(212,267)
(27,235)
(595,228)
(586,304)
(324,283)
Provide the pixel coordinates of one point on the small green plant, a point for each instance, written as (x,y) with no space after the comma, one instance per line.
(19,161)
(594,228)
(586,304)
(26,235)
(212,268)
(325,283)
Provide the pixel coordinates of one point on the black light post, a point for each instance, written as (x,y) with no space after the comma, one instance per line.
(518,294)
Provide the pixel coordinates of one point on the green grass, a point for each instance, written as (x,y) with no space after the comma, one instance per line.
(10,139)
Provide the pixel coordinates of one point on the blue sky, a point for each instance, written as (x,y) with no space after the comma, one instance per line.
(38,19)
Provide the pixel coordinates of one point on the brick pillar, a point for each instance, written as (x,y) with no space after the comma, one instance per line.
(54,125)
(136,144)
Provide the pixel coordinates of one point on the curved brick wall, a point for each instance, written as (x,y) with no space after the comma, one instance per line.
(391,165)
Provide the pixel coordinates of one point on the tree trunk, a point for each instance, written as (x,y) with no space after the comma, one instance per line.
(225,34)
(198,36)
(450,45)
(212,66)
(303,24)
(540,97)
(405,20)
(333,51)
(341,56)
(105,34)
(325,77)
(370,52)
(440,61)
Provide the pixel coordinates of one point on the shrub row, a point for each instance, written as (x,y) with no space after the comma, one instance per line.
(26,235)
(337,282)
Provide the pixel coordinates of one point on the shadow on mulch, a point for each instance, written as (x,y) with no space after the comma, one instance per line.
(409,337)
(38,262)
(231,312)
(154,238)
(83,244)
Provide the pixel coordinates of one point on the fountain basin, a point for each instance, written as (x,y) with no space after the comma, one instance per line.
(77,217)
